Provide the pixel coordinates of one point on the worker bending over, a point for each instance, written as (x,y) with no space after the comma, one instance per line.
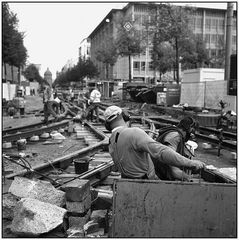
(132,148)
(176,138)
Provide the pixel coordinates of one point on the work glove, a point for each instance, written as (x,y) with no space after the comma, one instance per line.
(197,165)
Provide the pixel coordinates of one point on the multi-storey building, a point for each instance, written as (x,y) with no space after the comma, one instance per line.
(206,22)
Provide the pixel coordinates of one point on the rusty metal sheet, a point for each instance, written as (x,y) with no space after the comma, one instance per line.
(144,208)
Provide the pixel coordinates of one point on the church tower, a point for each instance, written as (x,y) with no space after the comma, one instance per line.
(48,76)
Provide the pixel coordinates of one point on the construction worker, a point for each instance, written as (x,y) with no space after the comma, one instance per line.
(50,105)
(95,96)
(176,138)
(132,148)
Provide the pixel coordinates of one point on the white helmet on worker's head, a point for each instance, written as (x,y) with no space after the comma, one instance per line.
(112,113)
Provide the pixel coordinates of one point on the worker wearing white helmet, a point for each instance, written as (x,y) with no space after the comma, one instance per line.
(131,148)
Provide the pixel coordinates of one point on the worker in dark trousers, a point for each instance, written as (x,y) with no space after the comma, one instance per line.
(132,149)
(176,138)
(49,104)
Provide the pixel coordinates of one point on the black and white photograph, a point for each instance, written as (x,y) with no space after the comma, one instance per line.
(119,119)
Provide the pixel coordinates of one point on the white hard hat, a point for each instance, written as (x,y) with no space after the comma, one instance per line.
(111,113)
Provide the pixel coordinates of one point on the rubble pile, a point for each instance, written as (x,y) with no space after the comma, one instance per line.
(36,208)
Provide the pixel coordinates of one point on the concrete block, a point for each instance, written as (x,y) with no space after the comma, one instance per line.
(79,207)
(37,189)
(33,217)
(79,222)
(9,202)
(77,190)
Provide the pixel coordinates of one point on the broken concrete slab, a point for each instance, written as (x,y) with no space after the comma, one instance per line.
(33,217)
(9,201)
(41,190)
(77,190)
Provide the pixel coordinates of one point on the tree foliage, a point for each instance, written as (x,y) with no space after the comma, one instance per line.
(128,43)
(107,53)
(13,49)
(84,68)
(172,25)
(31,73)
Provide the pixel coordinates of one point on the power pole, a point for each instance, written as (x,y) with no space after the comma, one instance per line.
(228,40)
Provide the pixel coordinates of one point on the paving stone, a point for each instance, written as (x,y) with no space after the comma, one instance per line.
(33,217)
(79,207)
(9,201)
(79,222)
(37,189)
(77,190)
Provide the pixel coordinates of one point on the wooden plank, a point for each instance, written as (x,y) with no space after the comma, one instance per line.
(144,208)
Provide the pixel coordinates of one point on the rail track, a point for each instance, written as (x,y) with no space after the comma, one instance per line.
(61,170)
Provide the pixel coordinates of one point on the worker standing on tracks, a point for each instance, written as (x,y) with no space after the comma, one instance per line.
(176,138)
(131,149)
(51,106)
(95,96)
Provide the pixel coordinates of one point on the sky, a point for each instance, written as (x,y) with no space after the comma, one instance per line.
(54,30)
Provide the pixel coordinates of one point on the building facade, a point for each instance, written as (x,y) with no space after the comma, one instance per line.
(208,23)
(84,49)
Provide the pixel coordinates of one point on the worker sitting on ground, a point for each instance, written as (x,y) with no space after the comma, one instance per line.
(132,148)
(176,137)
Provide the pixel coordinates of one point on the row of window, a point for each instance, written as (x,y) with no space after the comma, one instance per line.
(218,39)
(140,66)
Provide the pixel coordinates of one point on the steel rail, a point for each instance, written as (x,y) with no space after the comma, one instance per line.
(25,127)
(31,132)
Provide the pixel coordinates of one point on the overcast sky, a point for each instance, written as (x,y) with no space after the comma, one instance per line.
(54,30)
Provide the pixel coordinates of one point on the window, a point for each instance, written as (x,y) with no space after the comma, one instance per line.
(213,53)
(213,23)
(208,23)
(136,66)
(220,39)
(234,25)
(214,38)
(221,24)
(199,23)
(207,38)
(142,66)
(234,40)
(150,66)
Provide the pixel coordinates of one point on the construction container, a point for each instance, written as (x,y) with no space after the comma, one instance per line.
(204,208)
(81,164)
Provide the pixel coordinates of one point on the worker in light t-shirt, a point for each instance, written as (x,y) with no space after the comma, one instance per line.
(95,96)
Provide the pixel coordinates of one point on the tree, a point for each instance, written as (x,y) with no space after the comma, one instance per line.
(107,54)
(172,24)
(84,68)
(128,42)
(31,73)
(14,51)
(163,58)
